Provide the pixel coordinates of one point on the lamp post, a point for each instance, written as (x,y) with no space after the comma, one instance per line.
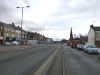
(22,22)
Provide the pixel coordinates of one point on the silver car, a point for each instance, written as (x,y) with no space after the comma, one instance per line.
(99,53)
(90,49)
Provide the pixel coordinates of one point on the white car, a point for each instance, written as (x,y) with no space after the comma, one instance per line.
(80,46)
(15,43)
(90,49)
(8,43)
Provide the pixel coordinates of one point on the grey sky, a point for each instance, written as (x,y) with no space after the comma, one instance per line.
(57,15)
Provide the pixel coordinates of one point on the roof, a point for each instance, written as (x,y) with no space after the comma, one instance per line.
(15,27)
(97,28)
(11,26)
(6,25)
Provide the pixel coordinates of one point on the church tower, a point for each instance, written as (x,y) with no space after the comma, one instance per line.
(71,37)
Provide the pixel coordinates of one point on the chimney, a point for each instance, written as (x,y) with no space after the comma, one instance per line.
(91,26)
(18,27)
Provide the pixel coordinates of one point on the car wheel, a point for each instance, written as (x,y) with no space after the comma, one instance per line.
(86,51)
(98,56)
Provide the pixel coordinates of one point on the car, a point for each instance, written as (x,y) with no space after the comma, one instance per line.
(15,43)
(99,53)
(7,43)
(91,49)
(80,46)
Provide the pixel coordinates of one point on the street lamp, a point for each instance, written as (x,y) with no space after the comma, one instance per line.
(22,22)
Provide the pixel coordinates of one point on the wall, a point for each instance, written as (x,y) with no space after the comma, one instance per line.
(32,41)
(97,35)
(91,36)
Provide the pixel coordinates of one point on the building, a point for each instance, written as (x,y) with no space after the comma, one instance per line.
(34,38)
(7,33)
(20,37)
(49,40)
(73,42)
(70,41)
(94,35)
(1,33)
(24,37)
(71,37)
(10,32)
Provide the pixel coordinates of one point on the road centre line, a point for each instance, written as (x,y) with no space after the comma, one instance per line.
(46,65)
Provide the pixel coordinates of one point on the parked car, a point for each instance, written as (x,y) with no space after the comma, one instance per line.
(8,43)
(91,49)
(99,53)
(15,43)
(80,46)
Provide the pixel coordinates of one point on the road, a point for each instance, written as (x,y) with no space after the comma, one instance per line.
(67,61)
(74,62)
(24,61)
(80,63)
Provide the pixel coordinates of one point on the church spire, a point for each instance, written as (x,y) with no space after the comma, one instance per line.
(71,37)
(71,34)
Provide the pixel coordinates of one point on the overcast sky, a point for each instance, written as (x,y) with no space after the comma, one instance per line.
(53,18)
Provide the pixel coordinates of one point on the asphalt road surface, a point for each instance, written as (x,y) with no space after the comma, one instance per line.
(24,61)
(57,65)
(80,63)
(68,61)
(74,62)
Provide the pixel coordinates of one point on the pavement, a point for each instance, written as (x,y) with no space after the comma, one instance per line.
(16,47)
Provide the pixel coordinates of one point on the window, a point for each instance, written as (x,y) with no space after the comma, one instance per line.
(97,35)
(1,33)
(0,28)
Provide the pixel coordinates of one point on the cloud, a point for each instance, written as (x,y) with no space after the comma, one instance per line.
(56,15)
(30,25)
(78,9)
(78,14)
(9,13)
(8,10)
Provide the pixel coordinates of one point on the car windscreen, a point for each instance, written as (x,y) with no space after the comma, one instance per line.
(91,46)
